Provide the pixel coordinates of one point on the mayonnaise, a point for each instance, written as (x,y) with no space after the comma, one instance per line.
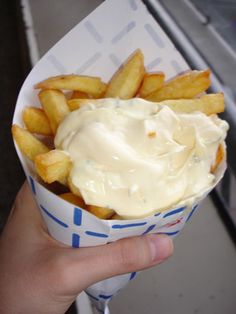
(138,157)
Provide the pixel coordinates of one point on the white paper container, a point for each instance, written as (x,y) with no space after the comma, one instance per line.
(97,46)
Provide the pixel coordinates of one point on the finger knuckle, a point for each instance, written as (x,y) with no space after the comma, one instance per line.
(127,256)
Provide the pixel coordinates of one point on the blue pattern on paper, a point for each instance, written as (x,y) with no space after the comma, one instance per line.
(192,212)
(133,5)
(75,240)
(176,66)
(32,185)
(105,297)
(173,212)
(149,229)
(77,216)
(91,296)
(169,233)
(153,63)
(58,221)
(115,60)
(88,63)
(154,35)
(96,234)
(138,224)
(133,275)
(93,32)
(57,64)
(131,25)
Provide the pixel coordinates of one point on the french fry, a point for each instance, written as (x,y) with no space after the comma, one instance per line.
(151,82)
(29,145)
(187,85)
(53,166)
(100,212)
(87,84)
(208,104)
(74,199)
(55,106)
(126,81)
(219,157)
(81,95)
(78,94)
(116,217)
(74,104)
(36,121)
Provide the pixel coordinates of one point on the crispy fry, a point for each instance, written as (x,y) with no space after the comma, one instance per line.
(74,199)
(28,144)
(101,212)
(55,106)
(116,217)
(74,104)
(36,121)
(86,84)
(219,157)
(78,94)
(126,81)
(208,104)
(187,85)
(151,82)
(81,95)
(53,166)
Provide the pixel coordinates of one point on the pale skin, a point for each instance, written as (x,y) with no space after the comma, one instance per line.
(40,275)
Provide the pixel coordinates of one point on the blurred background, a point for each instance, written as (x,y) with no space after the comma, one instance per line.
(201,276)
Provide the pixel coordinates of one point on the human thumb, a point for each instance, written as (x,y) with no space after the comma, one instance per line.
(127,255)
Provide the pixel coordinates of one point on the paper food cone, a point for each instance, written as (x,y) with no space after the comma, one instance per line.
(97,46)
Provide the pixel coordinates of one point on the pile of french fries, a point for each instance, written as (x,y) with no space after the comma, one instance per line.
(62,94)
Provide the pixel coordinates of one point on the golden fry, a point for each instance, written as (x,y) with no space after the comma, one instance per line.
(100,212)
(74,104)
(126,81)
(36,121)
(55,106)
(74,199)
(208,104)
(151,82)
(116,217)
(53,166)
(187,85)
(87,84)
(219,157)
(28,143)
(79,95)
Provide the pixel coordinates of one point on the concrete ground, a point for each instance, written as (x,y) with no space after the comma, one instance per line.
(200,277)
(214,48)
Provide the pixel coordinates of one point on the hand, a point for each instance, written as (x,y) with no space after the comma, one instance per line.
(40,275)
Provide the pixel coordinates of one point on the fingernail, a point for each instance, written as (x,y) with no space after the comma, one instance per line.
(161,247)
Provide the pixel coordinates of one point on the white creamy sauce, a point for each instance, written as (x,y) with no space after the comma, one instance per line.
(138,157)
